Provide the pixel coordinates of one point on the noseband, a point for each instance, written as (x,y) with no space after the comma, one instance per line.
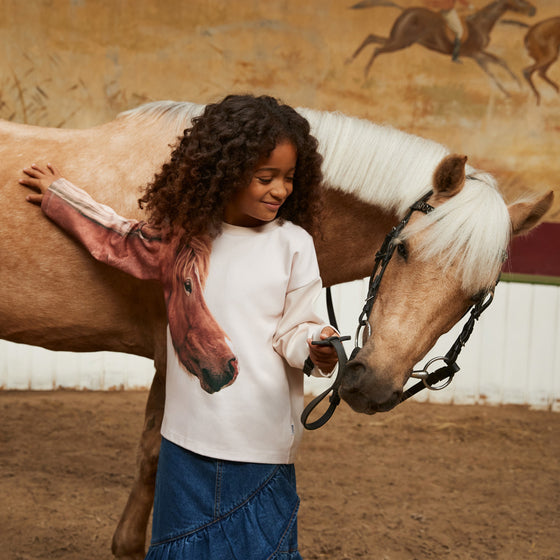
(427,379)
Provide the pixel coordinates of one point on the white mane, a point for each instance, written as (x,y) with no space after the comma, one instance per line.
(379,164)
(178,114)
(392,169)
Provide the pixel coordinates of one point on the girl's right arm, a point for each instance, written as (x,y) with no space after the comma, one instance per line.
(128,245)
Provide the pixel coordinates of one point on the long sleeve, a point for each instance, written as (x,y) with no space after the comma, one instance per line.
(299,322)
(128,245)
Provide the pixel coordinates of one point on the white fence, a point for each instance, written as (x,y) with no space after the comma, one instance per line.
(513,356)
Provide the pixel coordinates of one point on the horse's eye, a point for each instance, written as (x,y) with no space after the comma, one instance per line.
(402,250)
(187,284)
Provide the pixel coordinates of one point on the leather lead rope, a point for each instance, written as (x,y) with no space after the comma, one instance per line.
(330,310)
(334,400)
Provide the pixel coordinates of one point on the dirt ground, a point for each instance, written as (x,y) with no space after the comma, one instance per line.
(421,482)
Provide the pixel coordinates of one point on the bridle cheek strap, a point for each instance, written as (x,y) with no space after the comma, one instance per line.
(382,259)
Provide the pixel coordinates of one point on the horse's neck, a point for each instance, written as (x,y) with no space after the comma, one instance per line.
(483,20)
(352,231)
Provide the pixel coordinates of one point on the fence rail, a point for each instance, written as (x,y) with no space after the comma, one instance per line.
(513,356)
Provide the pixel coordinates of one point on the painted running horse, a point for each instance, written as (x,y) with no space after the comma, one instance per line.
(53,294)
(429,29)
(542,42)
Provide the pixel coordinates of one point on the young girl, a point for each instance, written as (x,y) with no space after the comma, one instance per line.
(244,180)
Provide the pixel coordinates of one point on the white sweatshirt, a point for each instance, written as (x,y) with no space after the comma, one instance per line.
(260,288)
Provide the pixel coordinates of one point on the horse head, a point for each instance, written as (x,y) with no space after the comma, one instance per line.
(201,345)
(444,261)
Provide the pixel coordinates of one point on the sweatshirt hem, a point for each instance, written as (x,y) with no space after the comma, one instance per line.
(246,456)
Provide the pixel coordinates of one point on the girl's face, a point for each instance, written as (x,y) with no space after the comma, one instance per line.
(271,184)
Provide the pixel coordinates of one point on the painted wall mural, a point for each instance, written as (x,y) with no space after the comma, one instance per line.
(431,29)
(486,86)
(437,31)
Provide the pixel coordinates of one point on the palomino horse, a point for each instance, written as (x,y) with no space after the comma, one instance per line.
(542,42)
(429,29)
(372,174)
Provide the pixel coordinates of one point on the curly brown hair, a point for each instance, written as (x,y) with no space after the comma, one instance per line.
(217,156)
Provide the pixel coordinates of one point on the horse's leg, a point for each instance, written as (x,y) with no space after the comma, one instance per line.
(386,48)
(527,73)
(542,73)
(500,62)
(482,61)
(370,39)
(401,37)
(129,540)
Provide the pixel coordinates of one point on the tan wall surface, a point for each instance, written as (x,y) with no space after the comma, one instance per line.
(77,63)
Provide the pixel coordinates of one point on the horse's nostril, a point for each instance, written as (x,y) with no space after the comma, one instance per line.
(352,375)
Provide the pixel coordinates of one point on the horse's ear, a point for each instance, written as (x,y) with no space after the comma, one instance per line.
(526,214)
(449,177)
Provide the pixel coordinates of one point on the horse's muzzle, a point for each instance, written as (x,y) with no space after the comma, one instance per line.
(364,392)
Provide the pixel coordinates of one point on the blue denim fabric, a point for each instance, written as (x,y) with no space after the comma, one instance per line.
(209,509)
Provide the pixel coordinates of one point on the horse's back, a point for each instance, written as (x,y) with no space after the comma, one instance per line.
(418,24)
(52,293)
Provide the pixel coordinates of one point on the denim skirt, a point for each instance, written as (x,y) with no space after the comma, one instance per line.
(210,509)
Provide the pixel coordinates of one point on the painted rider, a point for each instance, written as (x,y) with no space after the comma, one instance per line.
(448,9)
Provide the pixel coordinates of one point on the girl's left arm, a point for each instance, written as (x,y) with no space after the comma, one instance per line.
(300,325)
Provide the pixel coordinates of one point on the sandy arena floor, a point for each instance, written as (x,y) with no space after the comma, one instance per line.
(421,482)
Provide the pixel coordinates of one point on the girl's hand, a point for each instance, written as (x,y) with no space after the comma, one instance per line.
(39,179)
(324,357)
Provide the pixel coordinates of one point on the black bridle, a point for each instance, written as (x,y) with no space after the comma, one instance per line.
(427,379)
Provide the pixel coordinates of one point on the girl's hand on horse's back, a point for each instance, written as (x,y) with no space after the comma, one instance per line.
(40,179)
